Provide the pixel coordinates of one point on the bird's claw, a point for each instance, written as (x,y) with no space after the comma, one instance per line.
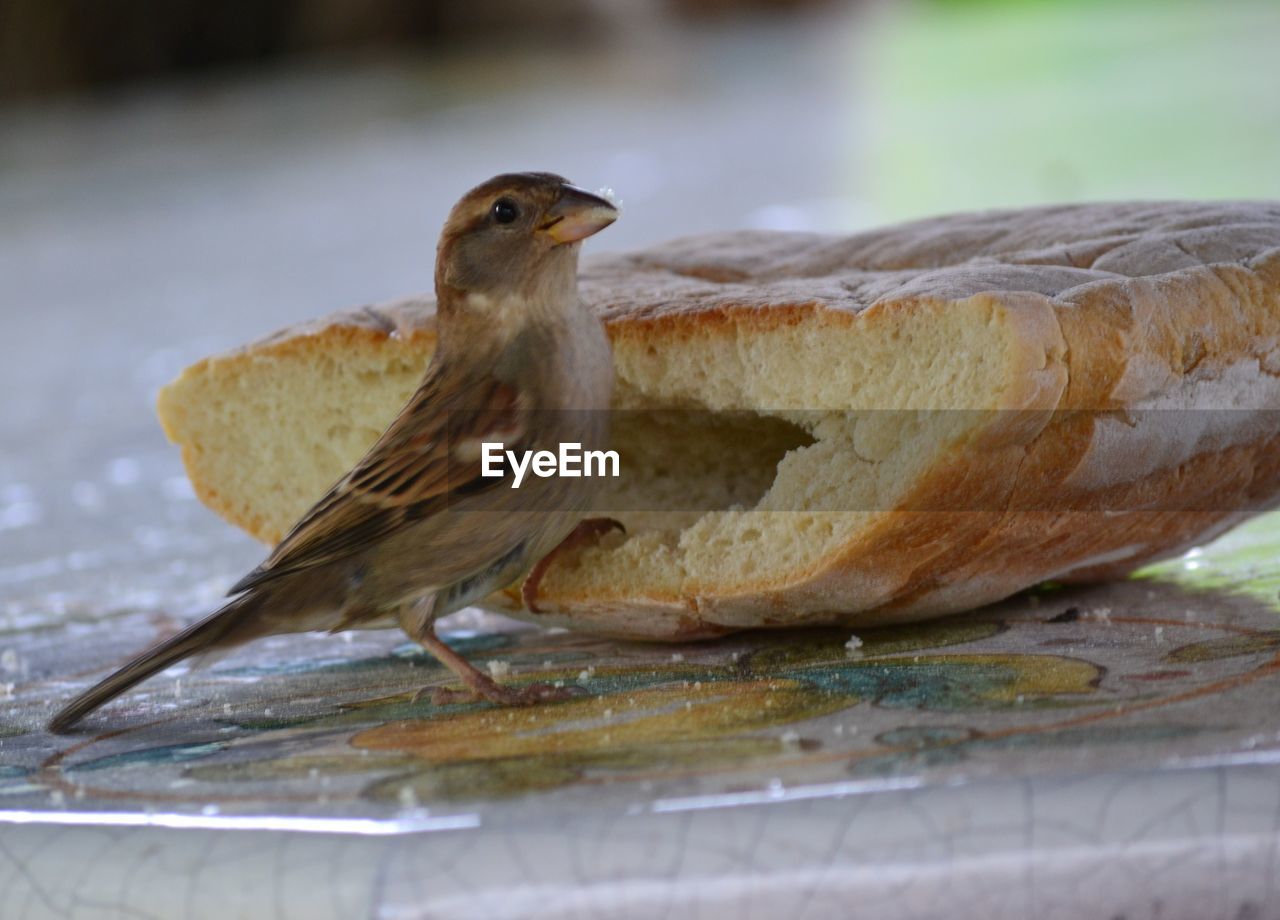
(587,531)
(499,695)
(538,693)
(446,696)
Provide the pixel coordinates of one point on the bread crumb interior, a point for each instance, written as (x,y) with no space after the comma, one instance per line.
(773,445)
(795,438)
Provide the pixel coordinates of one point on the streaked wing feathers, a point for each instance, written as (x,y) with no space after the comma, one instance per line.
(428,453)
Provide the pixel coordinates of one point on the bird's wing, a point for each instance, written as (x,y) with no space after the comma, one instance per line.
(430,455)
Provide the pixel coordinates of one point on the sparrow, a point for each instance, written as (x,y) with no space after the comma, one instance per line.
(416,529)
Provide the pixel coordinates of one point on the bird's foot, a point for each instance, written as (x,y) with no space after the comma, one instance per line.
(535,693)
(446,696)
(497,694)
(590,530)
(477,685)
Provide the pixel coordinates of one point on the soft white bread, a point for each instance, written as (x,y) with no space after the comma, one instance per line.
(794,497)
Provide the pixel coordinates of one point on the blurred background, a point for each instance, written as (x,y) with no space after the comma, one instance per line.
(179,176)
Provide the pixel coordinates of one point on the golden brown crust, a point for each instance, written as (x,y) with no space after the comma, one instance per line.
(1117,307)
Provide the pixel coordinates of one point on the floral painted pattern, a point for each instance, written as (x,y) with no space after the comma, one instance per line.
(1181,662)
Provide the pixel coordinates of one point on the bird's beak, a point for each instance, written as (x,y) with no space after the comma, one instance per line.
(577,215)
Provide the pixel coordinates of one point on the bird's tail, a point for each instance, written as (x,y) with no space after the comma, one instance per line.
(231,625)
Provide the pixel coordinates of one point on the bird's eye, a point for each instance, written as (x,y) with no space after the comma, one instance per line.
(505,211)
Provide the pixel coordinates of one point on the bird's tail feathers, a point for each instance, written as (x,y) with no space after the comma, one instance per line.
(230,625)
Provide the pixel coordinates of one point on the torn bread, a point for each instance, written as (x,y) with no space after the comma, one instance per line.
(887,426)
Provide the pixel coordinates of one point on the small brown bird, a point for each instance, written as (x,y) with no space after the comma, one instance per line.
(417,529)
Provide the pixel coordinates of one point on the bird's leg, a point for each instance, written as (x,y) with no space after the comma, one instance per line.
(587,531)
(480,686)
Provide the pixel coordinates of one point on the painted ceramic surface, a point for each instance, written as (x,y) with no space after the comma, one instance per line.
(1181,665)
(1121,733)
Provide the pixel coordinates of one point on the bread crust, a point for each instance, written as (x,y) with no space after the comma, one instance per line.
(1109,310)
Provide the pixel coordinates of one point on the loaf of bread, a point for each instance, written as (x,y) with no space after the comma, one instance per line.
(853,430)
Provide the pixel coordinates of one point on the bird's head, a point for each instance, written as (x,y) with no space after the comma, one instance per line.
(517,234)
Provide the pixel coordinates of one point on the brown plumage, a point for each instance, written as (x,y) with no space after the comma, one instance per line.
(414,531)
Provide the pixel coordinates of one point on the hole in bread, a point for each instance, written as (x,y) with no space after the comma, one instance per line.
(794,440)
(690,462)
(759,449)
